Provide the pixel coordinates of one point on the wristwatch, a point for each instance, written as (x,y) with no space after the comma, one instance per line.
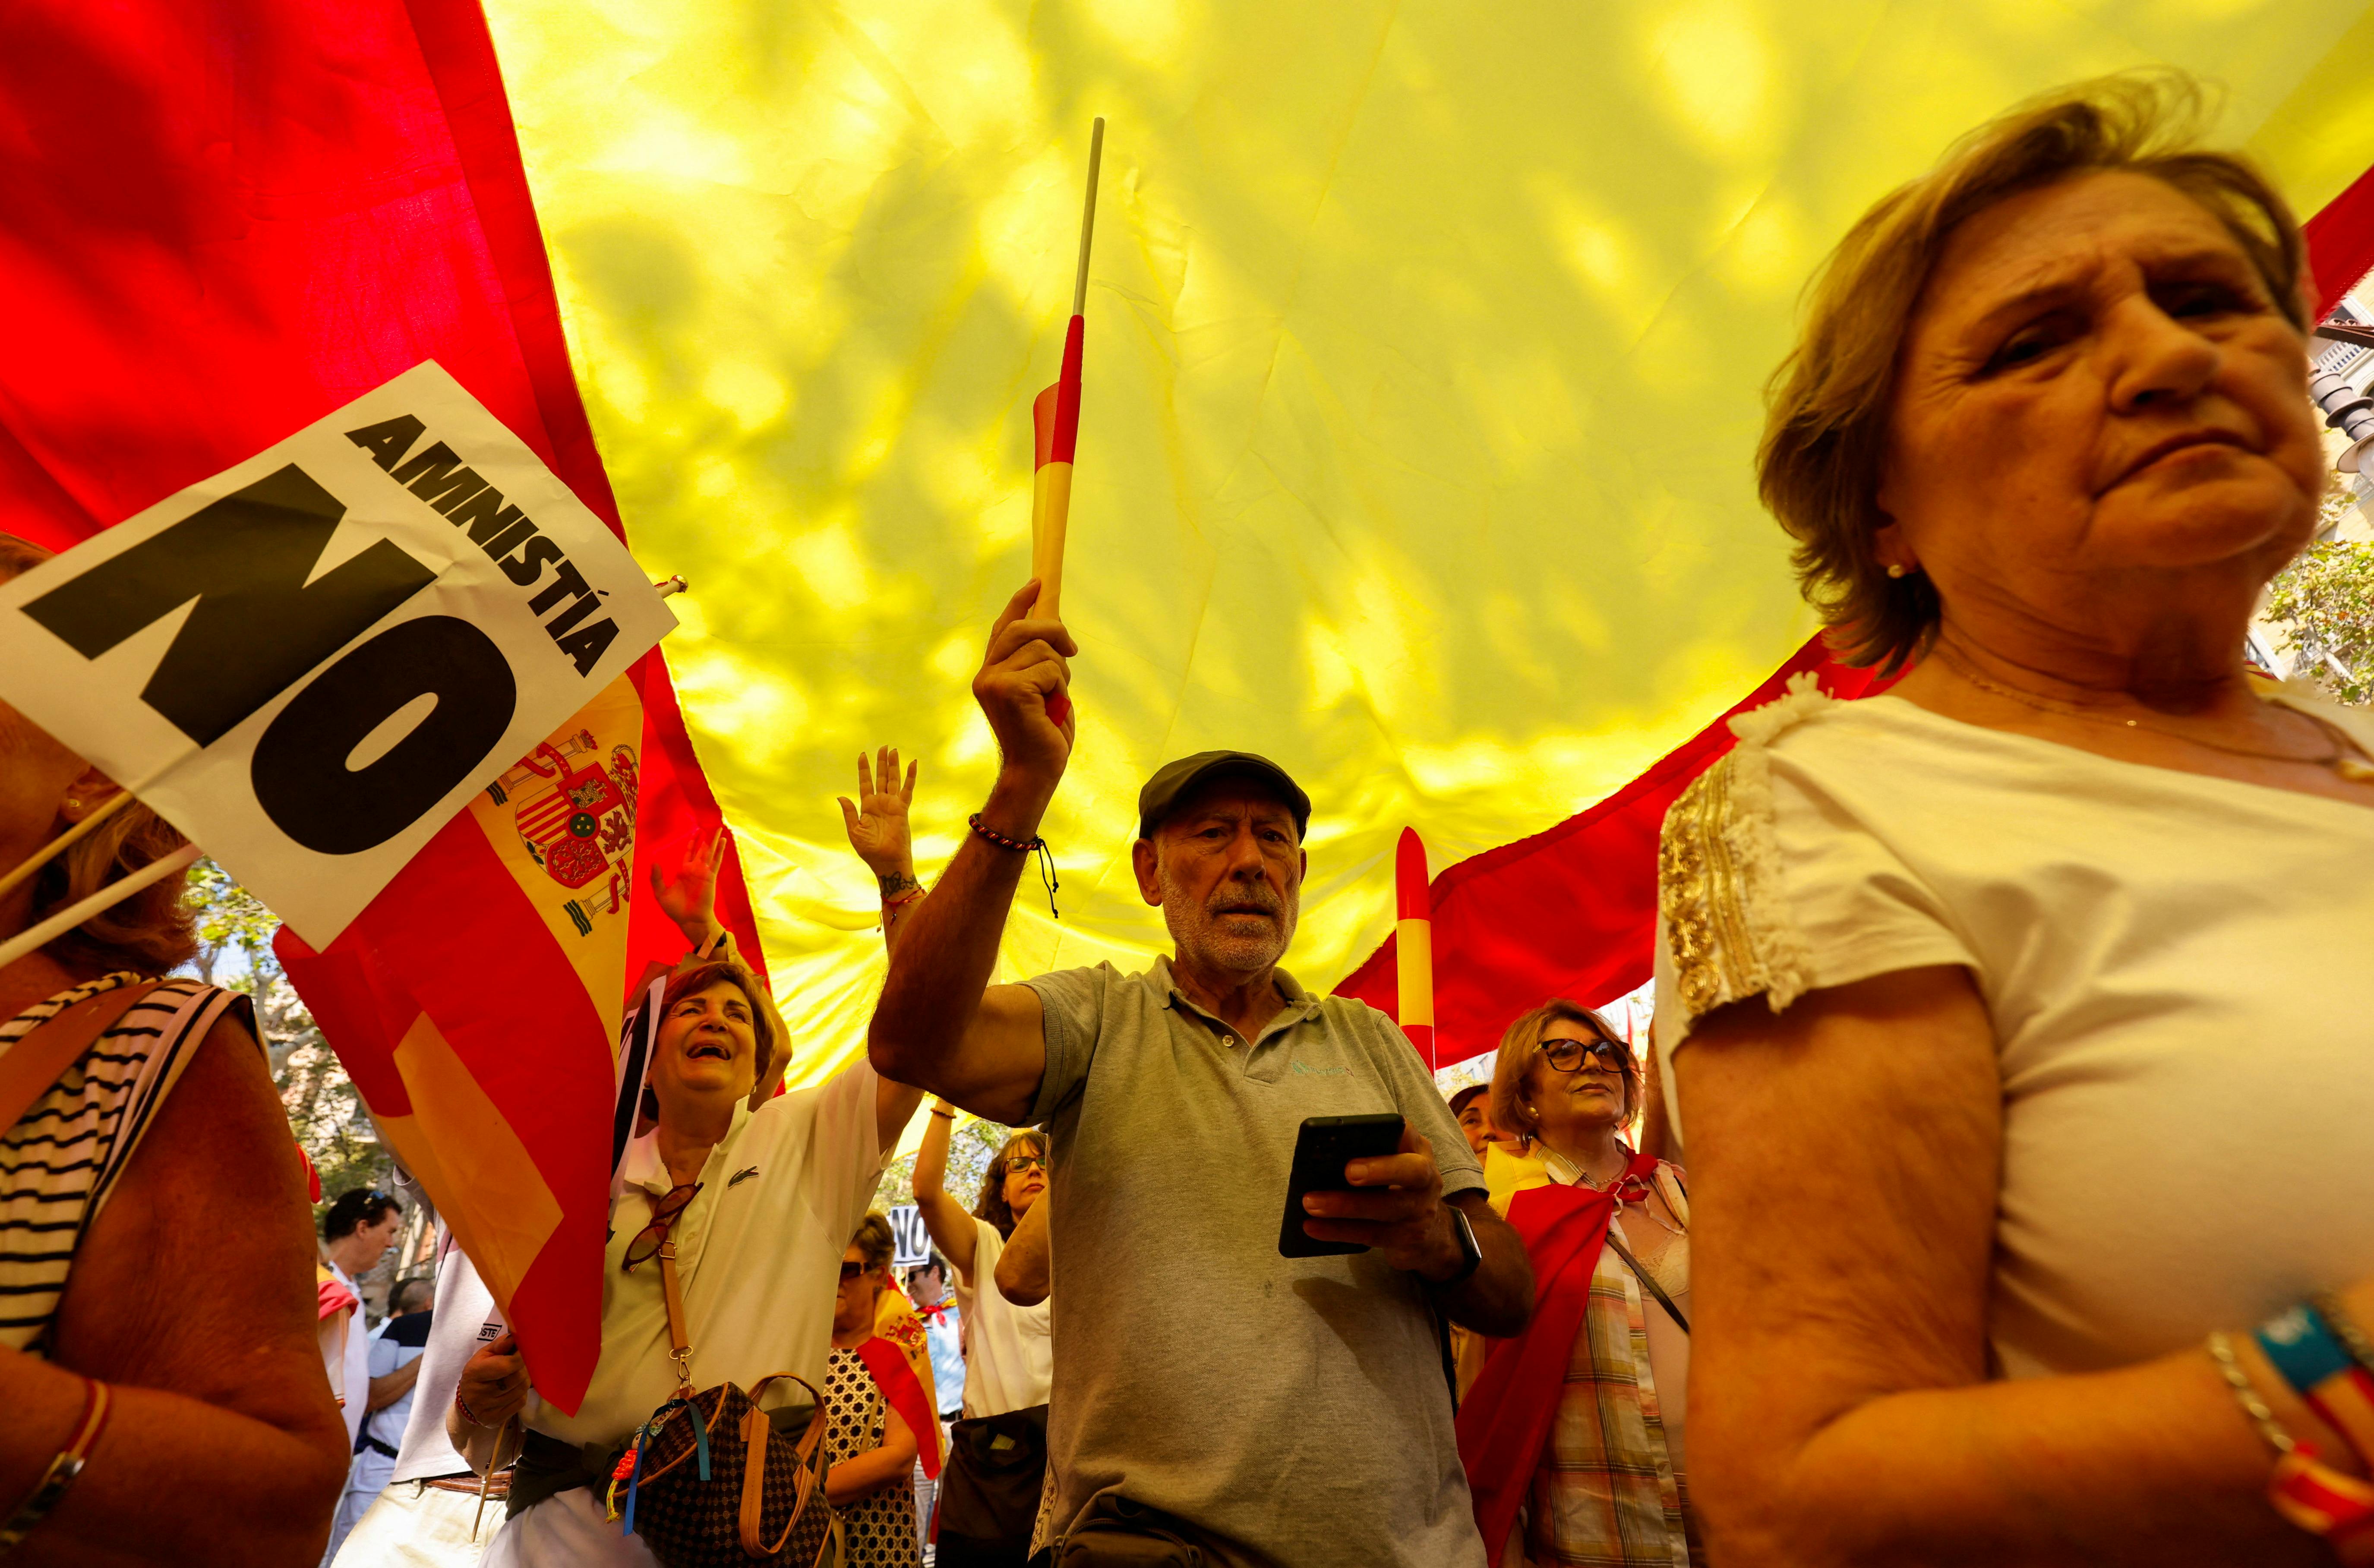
(1471,1255)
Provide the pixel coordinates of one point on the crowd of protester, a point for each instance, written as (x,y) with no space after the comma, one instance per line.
(2012,1025)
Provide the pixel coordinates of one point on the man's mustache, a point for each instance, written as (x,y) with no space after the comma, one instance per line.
(1255,897)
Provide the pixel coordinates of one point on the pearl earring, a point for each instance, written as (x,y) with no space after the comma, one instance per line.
(74,805)
(1894,571)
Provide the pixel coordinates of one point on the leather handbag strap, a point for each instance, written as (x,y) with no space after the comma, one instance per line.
(756,1432)
(679,1352)
(34,1062)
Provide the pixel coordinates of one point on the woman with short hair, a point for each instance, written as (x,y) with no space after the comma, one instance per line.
(1571,1433)
(155,1148)
(754,1187)
(876,1408)
(2019,1019)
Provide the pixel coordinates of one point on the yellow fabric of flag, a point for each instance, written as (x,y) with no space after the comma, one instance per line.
(1415,446)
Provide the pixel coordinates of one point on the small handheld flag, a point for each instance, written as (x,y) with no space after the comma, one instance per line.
(1414,944)
(1055,425)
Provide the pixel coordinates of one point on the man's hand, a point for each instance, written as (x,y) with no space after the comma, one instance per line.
(1406,1222)
(688,892)
(877,820)
(494,1382)
(1023,671)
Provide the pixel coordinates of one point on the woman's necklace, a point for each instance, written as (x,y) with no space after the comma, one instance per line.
(1574,1172)
(2354,769)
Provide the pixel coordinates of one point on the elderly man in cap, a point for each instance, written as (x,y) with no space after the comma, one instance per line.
(1267,1409)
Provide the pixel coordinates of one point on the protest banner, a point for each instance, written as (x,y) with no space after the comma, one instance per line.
(311,661)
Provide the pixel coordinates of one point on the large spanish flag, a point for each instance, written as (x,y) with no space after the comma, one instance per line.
(1429,336)
(218,221)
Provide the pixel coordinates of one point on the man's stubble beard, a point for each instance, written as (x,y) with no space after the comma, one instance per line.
(1197,936)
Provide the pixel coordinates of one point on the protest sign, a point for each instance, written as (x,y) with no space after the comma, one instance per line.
(911,1241)
(310,662)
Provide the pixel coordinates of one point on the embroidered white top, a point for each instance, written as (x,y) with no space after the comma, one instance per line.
(2177,966)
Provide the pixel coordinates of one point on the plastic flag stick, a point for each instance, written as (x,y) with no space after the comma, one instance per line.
(1414,944)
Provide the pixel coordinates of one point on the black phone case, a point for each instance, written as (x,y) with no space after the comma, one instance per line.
(1325,1146)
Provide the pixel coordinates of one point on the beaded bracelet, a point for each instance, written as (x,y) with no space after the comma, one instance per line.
(2315,1497)
(63,1469)
(1046,856)
(464,1408)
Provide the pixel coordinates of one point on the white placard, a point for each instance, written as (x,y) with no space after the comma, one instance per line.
(911,1242)
(308,661)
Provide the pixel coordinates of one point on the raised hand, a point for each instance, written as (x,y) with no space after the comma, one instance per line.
(494,1383)
(877,820)
(687,891)
(1024,670)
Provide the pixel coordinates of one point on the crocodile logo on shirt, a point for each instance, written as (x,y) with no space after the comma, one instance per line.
(742,1175)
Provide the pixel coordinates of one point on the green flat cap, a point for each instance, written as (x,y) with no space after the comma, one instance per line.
(1163,790)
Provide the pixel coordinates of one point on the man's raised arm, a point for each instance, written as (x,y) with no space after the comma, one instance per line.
(940,1024)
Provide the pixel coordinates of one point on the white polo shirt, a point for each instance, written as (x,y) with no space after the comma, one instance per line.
(354,1373)
(759,1251)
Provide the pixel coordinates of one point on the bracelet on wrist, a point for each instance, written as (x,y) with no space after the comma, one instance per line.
(2345,1328)
(2314,1496)
(1037,846)
(467,1414)
(946,1115)
(2303,1348)
(63,1469)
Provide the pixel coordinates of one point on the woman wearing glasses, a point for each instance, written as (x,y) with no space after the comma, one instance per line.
(758,1191)
(985,1516)
(1571,1433)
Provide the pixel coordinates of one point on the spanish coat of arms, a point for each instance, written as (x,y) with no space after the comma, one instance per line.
(576,814)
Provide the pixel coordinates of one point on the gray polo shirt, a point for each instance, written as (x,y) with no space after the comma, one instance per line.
(1293,1408)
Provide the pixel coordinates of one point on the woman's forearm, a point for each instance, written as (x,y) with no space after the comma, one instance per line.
(901,890)
(931,1154)
(171,1480)
(874,1468)
(950,1226)
(2152,1466)
(475,1444)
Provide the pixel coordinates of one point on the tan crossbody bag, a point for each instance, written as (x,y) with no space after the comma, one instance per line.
(35,1061)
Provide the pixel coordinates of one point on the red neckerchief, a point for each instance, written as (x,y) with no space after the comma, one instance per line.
(937,1310)
(1506,1418)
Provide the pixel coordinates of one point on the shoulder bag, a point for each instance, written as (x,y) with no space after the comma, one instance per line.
(706,1482)
(1117,1533)
(46,1050)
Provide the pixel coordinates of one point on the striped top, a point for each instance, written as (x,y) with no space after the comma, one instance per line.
(63,1157)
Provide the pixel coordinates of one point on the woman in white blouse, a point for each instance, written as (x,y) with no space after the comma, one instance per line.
(2020,1019)
(1009,1353)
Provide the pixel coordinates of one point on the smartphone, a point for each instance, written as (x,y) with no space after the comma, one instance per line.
(1326,1146)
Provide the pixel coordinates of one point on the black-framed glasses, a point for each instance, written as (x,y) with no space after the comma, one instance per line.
(1567,1054)
(1026,1163)
(652,1237)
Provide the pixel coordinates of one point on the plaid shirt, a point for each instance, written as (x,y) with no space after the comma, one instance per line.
(1605,1495)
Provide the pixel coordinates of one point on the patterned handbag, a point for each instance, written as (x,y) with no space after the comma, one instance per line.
(709,1484)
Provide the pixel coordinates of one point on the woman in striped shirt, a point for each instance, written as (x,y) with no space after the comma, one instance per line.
(156,1153)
